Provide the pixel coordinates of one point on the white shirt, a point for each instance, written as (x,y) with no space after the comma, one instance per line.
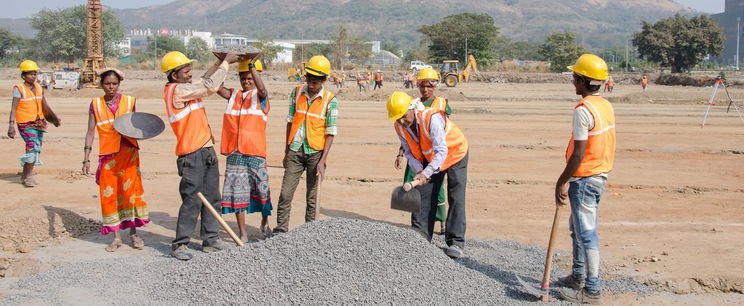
(439,144)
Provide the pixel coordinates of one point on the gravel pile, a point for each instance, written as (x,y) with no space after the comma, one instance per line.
(340,261)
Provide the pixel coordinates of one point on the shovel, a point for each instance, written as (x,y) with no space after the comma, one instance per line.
(544,291)
(406,197)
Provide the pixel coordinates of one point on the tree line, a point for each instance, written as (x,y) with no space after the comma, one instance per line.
(678,42)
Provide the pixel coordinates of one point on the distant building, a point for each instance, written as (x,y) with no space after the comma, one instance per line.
(727,19)
(386,58)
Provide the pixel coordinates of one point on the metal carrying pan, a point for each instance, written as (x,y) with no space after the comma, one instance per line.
(406,197)
(139,125)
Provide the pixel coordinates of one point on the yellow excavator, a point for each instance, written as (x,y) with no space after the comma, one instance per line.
(451,75)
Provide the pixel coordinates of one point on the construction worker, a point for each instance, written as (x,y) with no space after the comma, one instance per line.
(197,160)
(434,146)
(644,82)
(361,82)
(246,186)
(589,159)
(609,85)
(30,112)
(311,128)
(428,80)
(378,80)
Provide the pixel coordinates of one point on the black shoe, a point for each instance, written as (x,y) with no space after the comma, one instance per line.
(580,296)
(571,281)
(181,253)
(214,247)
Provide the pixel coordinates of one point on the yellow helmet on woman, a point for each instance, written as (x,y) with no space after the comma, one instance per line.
(245,66)
(428,74)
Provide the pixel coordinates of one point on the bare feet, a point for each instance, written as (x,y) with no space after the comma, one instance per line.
(137,242)
(114,245)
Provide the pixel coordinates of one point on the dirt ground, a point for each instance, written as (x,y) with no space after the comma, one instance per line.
(672,215)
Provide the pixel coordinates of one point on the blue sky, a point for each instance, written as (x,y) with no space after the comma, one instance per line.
(19,9)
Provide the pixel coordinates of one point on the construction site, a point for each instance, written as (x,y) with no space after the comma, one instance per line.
(671,218)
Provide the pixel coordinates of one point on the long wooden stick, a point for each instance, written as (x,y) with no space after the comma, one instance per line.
(219,219)
(549,257)
(317,196)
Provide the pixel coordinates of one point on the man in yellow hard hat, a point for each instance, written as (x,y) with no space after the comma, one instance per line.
(589,159)
(311,127)
(30,112)
(433,146)
(428,80)
(197,160)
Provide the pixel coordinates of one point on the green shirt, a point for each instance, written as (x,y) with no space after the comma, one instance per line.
(300,137)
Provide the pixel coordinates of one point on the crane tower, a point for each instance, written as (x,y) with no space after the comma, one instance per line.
(94,59)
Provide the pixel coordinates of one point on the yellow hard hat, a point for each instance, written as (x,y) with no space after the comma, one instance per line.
(172,60)
(28,65)
(398,104)
(428,74)
(590,66)
(318,65)
(243,66)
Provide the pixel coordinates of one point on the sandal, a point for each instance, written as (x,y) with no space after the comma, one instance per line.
(28,182)
(114,245)
(137,242)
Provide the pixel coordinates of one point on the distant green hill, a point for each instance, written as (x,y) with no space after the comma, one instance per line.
(598,23)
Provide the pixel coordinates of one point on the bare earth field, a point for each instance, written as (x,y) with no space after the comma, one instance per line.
(672,216)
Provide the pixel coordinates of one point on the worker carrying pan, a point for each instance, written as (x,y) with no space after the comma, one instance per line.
(434,146)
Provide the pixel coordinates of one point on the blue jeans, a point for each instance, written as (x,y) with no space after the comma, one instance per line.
(585,195)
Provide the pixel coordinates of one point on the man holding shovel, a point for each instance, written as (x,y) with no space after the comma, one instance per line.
(590,155)
(434,146)
(197,160)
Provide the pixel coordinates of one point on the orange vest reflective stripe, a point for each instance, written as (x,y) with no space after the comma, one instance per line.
(188,123)
(244,125)
(439,104)
(313,116)
(600,147)
(29,107)
(422,147)
(109,140)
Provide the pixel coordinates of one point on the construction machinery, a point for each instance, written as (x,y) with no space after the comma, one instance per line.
(94,34)
(451,74)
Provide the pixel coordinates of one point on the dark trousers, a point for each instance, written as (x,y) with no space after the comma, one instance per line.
(297,162)
(378,84)
(457,179)
(199,172)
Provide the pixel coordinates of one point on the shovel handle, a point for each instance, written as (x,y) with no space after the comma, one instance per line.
(409,185)
(549,257)
(219,219)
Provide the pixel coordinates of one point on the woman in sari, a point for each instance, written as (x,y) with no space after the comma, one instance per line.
(118,175)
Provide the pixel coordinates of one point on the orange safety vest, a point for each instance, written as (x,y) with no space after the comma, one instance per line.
(422,147)
(29,107)
(644,81)
(439,104)
(244,125)
(188,123)
(109,140)
(378,77)
(600,147)
(313,116)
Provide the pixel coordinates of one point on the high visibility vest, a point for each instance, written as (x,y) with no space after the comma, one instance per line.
(378,77)
(422,147)
(439,104)
(109,140)
(29,107)
(600,146)
(189,123)
(313,116)
(244,125)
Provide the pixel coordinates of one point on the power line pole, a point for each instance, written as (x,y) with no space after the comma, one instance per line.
(738,29)
(627,64)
